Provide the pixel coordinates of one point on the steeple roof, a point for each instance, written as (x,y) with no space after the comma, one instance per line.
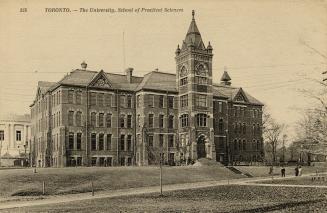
(225,77)
(193,36)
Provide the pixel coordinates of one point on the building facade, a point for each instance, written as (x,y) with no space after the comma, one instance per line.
(95,118)
(15,135)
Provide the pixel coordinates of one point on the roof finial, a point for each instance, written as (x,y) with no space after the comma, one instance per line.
(225,67)
(193,13)
(83,65)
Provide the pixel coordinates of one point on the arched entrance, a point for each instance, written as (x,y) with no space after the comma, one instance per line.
(201,148)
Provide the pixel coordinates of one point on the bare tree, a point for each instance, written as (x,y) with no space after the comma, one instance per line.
(272,134)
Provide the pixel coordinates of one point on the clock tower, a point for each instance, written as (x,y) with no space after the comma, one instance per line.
(194,84)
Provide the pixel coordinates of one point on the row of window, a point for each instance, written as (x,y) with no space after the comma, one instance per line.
(241,145)
(160,99)
(197,80)
(240,128)
(160,123)
(18,135)
(243,112)
(105,143)
(161,140)
(201,120)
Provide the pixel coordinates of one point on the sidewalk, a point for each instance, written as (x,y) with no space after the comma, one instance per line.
(45,200)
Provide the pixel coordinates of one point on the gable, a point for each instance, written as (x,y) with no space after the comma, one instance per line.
(100,81)
(240,96)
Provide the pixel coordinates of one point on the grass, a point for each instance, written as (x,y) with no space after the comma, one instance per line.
(24,182)
(297,181)
(229,198)
(260,171)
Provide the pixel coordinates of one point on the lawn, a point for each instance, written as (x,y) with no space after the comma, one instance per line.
(24,182)
(228,198)
(297,181)
(259,171)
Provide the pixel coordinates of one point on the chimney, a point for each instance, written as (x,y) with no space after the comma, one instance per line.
(129,74)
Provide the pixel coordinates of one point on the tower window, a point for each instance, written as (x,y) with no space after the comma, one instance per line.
(2,135)
(184,81)
(221,125)
(201,100)
(150,120)
(200,80)
(184,101)
(184,120)
(201,120)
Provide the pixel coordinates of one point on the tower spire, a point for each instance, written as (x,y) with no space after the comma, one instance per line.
(193,13)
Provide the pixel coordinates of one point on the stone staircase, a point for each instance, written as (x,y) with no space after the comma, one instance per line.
(236,171)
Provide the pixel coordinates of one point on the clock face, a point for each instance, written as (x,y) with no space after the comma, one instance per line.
(200,70)
(183,72)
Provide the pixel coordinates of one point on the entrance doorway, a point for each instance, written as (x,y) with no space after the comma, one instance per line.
(201,149)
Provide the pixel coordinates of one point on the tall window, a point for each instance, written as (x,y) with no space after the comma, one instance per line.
(78,118)
(139,120)
(93,141)
(170,102)
(101,141)
(78,97)
(151,101)
(138,100)
(184,101)
(79,141)
(108,99)
(129,121)
(244,128)
(122,142)
(184,120)
(253,129)
(221,125)
(220,107)
(108,120)
(170,140)
(101,117)
(171,121)
(122,121)
(93,98)
(122,101)
(161,140)
(161,121)
(129,142)
(201,119)
(150,138)
(150,120)
(71,118)
(235,145)
(18,135)
(71,140)
(201,100)
(93,119)
(100,99)
(161,101)
(129,101)
(184,81)
(258,129)
(2,135)
(240,145)
(109,141)
(244,145)
(70,96)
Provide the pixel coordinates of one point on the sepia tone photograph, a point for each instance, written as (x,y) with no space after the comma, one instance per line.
(163,106)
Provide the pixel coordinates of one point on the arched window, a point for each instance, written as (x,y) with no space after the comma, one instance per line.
(200,75)
(183,76)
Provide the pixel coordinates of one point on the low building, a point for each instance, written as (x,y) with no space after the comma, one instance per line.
(95,118)
(15,134)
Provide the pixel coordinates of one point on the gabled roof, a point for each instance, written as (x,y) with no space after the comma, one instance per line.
(232,92)
(156,80)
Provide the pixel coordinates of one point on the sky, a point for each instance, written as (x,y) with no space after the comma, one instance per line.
(270,48)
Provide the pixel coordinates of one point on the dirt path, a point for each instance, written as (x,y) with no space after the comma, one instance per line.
(137,191)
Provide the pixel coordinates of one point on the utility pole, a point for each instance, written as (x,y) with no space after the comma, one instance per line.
(161,170)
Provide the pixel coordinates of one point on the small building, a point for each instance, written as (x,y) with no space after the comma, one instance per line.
(15,134)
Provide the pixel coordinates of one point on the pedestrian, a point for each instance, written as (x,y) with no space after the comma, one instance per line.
(283,172)
(300,170)
(271,170)
(296,171)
